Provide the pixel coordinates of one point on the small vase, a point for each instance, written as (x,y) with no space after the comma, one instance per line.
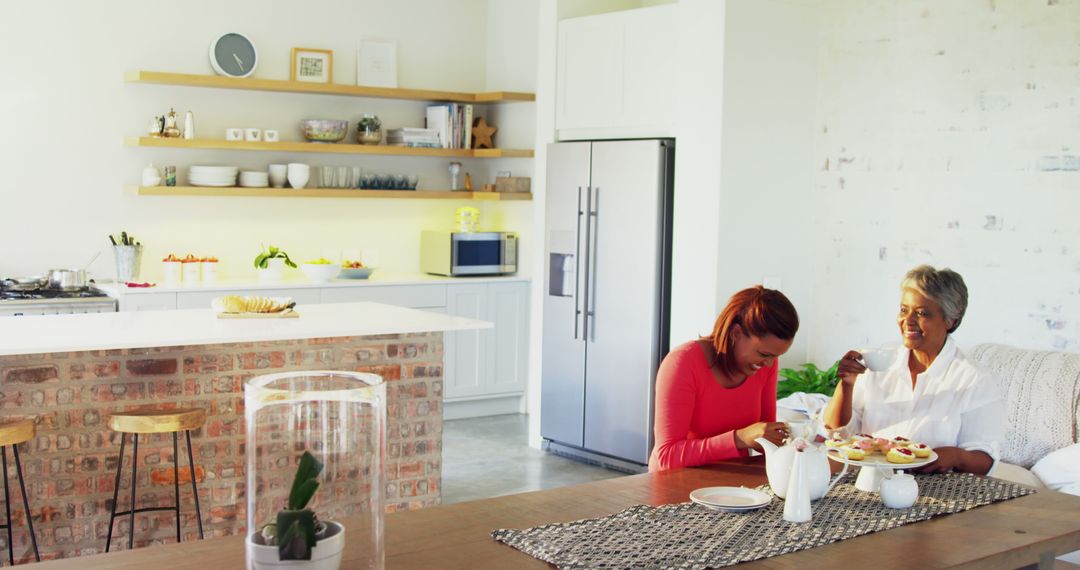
(325,555)
(274,270)
(369,130)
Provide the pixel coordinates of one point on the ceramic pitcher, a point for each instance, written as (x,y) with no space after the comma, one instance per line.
(778,466)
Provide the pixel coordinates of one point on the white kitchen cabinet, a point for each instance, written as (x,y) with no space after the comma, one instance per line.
(412,296)
(148,302)
(615,77)
(492,362)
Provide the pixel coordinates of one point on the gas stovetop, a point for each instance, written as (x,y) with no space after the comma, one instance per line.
(54,302)
(50,294)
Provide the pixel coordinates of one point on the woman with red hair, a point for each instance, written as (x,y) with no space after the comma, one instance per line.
(716,395)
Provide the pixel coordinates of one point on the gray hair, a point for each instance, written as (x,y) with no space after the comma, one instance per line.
(942,286)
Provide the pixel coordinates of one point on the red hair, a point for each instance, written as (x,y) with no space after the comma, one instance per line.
(758,311)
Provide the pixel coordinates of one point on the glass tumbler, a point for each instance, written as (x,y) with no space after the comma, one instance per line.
(327,178)
(340,419)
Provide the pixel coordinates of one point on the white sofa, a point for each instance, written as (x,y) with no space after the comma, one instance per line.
(1042,399)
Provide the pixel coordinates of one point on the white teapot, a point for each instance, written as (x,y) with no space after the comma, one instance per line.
(778,465)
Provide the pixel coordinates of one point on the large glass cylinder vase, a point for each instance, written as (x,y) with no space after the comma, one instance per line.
(340,418)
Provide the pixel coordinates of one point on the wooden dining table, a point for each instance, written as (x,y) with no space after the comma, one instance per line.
(1029,530)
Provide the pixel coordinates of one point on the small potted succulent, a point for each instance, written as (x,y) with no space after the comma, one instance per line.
(297,538)
(271,263)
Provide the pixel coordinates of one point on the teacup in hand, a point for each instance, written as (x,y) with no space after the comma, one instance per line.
(876,359)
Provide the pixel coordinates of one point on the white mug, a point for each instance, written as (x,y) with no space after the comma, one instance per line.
(270,135)
(252,135)
(899,491)
(877,359)
(234,134)
(279,173)
(298,174)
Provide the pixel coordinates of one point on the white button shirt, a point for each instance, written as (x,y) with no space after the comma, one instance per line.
(953,404)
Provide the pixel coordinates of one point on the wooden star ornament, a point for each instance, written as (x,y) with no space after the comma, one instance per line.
(482,133)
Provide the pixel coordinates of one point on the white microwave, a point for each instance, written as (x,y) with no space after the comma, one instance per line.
(468,253)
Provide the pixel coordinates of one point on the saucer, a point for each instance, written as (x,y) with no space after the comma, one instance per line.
(730,499)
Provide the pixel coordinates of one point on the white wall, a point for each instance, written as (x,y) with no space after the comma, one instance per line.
(766,222)
(948,134)
(66,110)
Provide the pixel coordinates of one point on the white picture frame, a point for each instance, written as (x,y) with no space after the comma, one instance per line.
(376,63)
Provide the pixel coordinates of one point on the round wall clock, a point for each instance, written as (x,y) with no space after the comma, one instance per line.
(233,55)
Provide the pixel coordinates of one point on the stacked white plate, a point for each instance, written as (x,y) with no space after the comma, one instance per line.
(213,175)
(730,499)
(254,179)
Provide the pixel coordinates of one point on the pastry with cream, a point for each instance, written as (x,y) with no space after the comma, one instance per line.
(921,450)
(900,455)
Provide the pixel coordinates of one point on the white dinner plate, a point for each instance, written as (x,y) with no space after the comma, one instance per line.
(878,460)
(730,499)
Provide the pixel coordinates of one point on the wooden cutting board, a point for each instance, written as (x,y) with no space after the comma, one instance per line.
(288,314)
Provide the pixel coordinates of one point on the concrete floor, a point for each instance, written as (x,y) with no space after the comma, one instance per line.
(490,456)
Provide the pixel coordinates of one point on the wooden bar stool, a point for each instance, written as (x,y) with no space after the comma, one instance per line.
(12,433)
(138,422)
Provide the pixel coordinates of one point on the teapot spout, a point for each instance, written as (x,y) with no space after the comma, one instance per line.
(766,445)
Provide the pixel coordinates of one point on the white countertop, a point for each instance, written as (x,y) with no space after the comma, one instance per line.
(142,329)
(298,281)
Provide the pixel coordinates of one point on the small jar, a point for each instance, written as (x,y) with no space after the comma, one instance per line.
(369,130)
(209,270)
(171,273)
(192,272)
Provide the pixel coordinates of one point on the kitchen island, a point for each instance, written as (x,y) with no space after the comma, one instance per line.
(70,371)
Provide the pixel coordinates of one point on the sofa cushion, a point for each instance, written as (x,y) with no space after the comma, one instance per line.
(1042,399)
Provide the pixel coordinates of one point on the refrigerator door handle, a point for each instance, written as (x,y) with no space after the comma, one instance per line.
(590,263)
(577,263)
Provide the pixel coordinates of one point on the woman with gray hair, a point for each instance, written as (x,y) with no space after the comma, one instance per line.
(931,392)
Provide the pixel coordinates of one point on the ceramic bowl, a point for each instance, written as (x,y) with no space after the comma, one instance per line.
(356,272)
(324,130)
(320,272)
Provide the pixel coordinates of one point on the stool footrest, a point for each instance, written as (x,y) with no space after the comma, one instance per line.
(147,510)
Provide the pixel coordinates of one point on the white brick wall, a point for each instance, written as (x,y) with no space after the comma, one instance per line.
(949,134)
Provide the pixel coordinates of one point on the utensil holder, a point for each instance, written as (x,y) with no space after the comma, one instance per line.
(128,262)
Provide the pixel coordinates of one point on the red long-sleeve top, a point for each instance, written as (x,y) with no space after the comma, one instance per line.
(696,418)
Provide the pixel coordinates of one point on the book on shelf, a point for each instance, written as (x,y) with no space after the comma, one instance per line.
(452,122)
(438,120)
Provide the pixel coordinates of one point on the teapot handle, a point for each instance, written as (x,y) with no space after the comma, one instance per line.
(837,479)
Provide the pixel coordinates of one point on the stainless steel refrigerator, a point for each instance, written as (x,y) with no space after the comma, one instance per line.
(606,299)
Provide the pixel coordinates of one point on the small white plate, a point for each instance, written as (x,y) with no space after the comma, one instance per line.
(730,499)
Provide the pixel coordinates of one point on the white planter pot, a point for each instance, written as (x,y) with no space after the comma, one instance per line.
(325,556)
(275,270)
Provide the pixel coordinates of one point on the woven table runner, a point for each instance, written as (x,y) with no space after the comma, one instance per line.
(690,536)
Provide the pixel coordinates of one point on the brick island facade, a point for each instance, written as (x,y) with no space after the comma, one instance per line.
(70,464)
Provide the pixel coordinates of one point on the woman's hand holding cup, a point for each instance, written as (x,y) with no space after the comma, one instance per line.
(850,367)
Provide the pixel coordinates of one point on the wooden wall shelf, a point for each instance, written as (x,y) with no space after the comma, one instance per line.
(325,193)
(329,148)
(220,82)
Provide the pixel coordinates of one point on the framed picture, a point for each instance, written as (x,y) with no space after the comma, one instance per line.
(376,63)
(312,65)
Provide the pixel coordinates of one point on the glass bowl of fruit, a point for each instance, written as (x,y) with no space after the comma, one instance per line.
(355,270)
(320,270)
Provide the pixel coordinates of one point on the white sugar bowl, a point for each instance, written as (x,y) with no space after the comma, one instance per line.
(899,491)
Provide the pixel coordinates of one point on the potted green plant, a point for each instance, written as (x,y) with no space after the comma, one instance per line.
(271,263)
(297,538)
(809,379)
